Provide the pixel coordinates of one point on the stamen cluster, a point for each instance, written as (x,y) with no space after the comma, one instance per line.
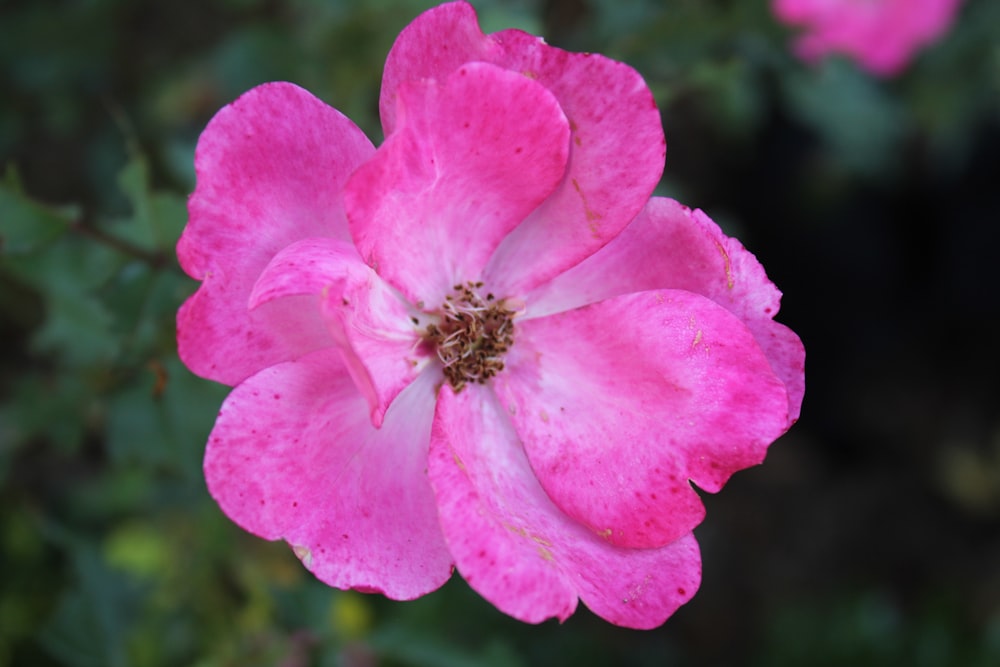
(471,336)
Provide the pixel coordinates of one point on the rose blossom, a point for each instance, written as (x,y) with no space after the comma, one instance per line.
(481,345)
(882,35)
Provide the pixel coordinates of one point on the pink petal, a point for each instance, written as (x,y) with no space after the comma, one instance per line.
(219,339)
(518,550)
(617,160)
(472,156)
(293,456)
(306,267)
(787,356)
(270,168)
(621,402)
(669,246)
(379,341)
(618,145)
(380,344)
(432,46)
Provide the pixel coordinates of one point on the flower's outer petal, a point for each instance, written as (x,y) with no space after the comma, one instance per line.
(371,324)
(617,137)
(669,246)
(294,456)
(784,350)
(270,168)
(616,162)
(219,339)
(518,550)
(472,156)
(432,46)
(621,402)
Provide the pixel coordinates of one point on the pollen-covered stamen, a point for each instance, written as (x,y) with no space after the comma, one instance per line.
(471,336)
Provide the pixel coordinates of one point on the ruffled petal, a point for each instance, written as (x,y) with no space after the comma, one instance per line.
(371,324)
(617,160)
(293,456)
(380,342)
(472,156)
(621,402)
(270,169)
(306,267)
(219,339)
(669,246)
(787,356)
(518,550)
(432,46)
(617,137)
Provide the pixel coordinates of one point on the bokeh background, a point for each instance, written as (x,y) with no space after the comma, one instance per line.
(871,536)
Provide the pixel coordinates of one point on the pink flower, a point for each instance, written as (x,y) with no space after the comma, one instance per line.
(882,35)
(481,345)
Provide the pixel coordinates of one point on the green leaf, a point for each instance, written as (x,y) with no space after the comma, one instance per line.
(138,548)
(163,418)
(91,622)
(56,408)
(68,274)
(860,123)
(25,225)
(157,218)
(79,327)
(139,228)
(419,649)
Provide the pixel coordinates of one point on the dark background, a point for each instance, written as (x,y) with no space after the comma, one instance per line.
(871,536)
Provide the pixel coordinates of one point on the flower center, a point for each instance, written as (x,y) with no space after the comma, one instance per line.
(472,335)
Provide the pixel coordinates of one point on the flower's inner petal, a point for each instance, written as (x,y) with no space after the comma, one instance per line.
(472,156)
(307,267)
(617,149)
(365,317)
(381,344)
(270,167)
(520,551)
(294,456)
(620,403)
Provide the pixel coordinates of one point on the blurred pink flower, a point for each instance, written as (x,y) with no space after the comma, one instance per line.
(882,35)
(481,345)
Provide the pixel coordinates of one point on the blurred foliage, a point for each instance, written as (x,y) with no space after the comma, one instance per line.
(112,552)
